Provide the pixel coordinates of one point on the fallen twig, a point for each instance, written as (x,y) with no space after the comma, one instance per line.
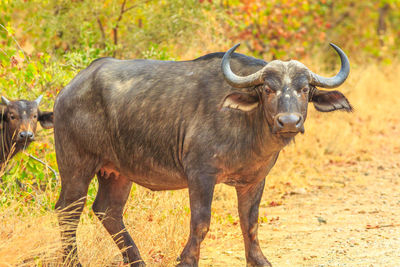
(381,226)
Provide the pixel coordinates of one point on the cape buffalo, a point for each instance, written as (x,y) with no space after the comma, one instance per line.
(18,121)
(170,125)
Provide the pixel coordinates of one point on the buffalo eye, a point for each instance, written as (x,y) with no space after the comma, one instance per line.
(12,117)
(305,89)
(268,90)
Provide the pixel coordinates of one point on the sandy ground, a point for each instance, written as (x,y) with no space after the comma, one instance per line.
(355,224)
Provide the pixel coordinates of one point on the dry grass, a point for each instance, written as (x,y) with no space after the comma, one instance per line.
(327,155)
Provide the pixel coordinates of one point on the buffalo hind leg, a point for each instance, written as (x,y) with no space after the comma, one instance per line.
(75,181)
(201,189)
(249,198)
(109,204)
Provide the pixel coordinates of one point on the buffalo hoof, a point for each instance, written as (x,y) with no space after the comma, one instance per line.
(186,262)
(74,263)
(260,262)
(138,264)
(183,264)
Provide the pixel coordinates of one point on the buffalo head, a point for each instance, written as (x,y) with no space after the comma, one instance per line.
(283,90)
(20,118)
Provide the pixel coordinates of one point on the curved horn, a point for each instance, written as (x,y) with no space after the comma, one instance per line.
(233,79)
(5,100)
(39,99)
(339,78)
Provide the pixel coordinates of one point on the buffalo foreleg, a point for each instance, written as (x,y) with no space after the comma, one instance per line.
(108,207)
(249,198)
(201,189)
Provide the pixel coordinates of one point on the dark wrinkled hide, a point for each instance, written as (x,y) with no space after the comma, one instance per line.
(167,125)
(18,121)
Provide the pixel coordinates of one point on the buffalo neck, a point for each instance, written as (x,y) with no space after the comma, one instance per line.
(250,138)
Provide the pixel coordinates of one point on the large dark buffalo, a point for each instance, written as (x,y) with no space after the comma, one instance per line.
(18,121)
(170,125)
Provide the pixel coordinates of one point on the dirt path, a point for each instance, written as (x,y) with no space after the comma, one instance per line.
(362,224)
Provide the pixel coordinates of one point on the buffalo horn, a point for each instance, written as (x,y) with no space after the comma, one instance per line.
(5,100)
(238,81)
(339,78)
(39,99)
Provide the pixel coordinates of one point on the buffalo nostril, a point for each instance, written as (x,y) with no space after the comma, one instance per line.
(289,121)
(280,122)
(299,121)
(30,135)
(24,135)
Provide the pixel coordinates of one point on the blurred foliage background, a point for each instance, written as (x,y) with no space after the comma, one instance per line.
(44,43)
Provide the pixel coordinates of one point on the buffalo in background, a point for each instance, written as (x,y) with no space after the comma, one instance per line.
(18,122)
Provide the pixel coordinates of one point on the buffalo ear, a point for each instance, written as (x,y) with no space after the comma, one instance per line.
(327,101)
(241,100)
(46,119)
